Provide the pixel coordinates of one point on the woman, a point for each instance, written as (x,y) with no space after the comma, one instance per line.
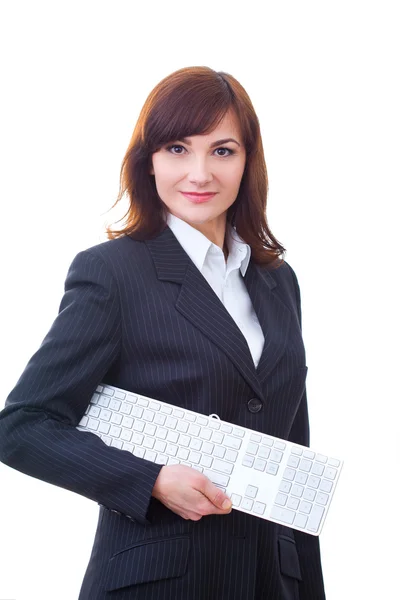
(190,303)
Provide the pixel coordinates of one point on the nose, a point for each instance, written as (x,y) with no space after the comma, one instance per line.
(199,172)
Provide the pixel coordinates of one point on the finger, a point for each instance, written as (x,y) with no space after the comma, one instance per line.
(216,495)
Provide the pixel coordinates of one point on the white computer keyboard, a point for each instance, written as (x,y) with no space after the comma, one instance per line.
(263,475)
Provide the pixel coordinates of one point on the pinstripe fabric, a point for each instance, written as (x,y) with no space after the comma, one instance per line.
(139,315)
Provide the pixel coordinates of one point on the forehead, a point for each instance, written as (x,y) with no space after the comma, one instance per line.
(228,127)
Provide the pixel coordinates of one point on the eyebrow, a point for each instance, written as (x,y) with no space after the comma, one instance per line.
(214,144)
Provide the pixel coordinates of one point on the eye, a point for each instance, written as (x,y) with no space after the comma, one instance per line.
(228,150)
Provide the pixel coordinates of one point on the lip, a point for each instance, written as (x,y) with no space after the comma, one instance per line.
(197,198)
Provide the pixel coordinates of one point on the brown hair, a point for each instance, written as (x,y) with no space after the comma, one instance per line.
(193,101)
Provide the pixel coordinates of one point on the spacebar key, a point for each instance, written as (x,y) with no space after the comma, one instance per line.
(282,514)
(216,477)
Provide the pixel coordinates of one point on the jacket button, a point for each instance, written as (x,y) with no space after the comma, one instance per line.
(254,405)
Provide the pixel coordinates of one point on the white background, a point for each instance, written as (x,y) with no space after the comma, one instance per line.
(323,78)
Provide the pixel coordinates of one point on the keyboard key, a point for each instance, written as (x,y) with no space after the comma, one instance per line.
(115,431)
(289,474)
(137,411)
(252,448)
(207,448)
(297,490)
(219,451)
(255,437)
(160,433)
(126,408)
(226,428)
(297,451)
(150,455)
(137,439)
(214,424)
(259,508)
(305,507)
(142,401)
(330,473)
(293,461)
(108,391)
(161,459)
(206,434)
(315,517)
(127,422)
(308,454)
(247,503)
(127,446)
(325,486)
(194,430)
(317,469)
(224,467)
(116,419)
(105,428)
(281,499)
(283,515)
(160,446)
(300,521)
(194,457)
(267,441)
(182,426)
(251,491)
(178,413)
(332,462)
(321,458)
(264,452)
(248,460)
(154,405)
(117,443)
(236,499)
(183,453)
(191,417)
(293,503)
(105,414)
(115,404)
(171,450)
(260,464)
(148,442)
(217,478)
(322,498)
(171,422)
(103,401)
(139,452)
(159,419)
(125,434)
(139,425)
(230,455)
(276,456)
(167,410)
(314,481)
(200,420)
(206,461)
(301,477)
(172,436)
(94,411)
(198,468)
(309,495)
(150,429)
(305,465)
(120,395)
(184,440)
(285,486)
(238,432)
(217,437)
(279,445)
(231,442)
(195,444)
(173,461)
(272,468)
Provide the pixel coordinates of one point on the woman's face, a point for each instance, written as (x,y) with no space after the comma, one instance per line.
(199,164)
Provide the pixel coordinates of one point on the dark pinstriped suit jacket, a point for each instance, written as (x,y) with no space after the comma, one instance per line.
(140,315)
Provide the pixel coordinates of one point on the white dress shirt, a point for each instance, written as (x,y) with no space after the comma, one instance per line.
(225,278)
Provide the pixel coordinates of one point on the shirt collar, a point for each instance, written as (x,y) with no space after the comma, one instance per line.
(197,245)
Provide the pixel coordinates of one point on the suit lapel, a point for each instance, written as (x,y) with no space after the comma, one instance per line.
(198,303)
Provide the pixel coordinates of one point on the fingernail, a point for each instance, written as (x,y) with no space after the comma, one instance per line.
(226,504)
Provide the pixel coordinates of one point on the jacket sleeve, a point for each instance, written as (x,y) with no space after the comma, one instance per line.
(312,585)
(38,434)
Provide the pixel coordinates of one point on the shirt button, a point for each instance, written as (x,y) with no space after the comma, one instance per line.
(254,405)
